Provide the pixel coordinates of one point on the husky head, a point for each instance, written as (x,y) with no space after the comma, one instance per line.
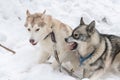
(38,25)
(84,38)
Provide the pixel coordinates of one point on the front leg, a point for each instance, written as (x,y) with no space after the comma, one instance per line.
(93,75)
(97,74)
(58,61)
(55,65)
(44,57)
(62,58)
(87,73)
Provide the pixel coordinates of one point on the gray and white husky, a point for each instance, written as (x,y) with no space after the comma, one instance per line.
(97,51)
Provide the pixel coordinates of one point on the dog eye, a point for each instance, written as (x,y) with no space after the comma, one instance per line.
(76,36)
(37,30)
(29,29)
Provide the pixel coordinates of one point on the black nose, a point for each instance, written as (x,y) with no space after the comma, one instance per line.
(32,40)
(66,40)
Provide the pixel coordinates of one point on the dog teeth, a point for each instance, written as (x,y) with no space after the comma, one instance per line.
(71,43)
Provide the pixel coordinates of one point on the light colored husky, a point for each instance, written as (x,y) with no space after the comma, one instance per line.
(97,51)
(49,31)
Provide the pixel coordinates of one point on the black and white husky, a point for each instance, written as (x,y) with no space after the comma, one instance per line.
(97,51)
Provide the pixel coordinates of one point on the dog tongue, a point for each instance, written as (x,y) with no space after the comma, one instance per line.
(71,45)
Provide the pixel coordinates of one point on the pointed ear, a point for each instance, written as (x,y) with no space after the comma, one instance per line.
(42,17)
(28,13)
(91,27)
(81,21)
(44,12)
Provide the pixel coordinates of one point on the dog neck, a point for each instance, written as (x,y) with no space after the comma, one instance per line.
(52,34)
(96,53)
(82,59)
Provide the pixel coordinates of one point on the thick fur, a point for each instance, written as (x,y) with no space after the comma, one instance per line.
(40,26)
(103,47)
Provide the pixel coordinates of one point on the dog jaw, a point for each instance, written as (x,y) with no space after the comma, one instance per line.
(72,45)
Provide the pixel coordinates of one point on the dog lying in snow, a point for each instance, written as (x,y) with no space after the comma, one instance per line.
(97,51)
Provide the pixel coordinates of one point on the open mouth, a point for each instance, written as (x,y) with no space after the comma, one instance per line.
(72,45)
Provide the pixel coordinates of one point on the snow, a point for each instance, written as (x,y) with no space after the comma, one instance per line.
(23,65)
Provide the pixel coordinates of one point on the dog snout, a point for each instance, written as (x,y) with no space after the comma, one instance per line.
(32,40)
(66,40)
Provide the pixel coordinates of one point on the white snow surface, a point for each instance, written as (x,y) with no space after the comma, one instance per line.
(23,65)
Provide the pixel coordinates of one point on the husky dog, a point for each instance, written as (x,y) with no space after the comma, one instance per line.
(49,31)
(97,51)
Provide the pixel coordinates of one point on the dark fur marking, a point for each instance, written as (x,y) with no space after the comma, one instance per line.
(115,43)
(74,31)
(104,53)
(106,49)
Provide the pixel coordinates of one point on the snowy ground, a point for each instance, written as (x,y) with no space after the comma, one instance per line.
(23,65)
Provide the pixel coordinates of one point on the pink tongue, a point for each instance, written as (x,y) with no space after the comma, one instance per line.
(71,46)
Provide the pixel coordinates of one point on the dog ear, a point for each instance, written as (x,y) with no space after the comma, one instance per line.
(42,17)
(91,27)
(44,12)
(28,13)
(81,21)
